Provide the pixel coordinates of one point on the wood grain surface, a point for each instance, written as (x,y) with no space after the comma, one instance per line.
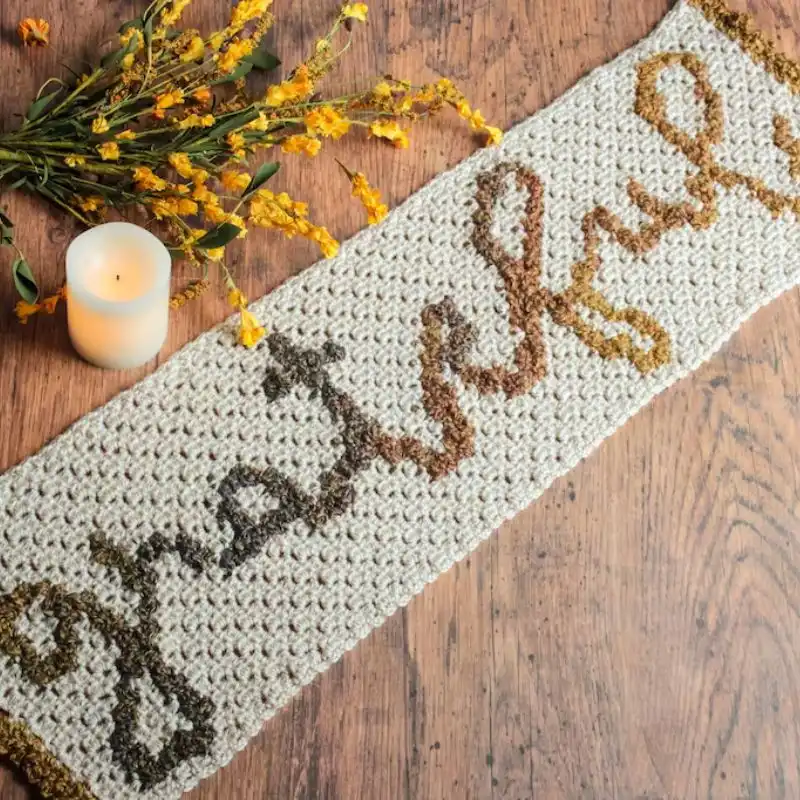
(635,633)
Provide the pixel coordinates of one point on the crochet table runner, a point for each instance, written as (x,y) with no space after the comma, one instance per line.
(179,563)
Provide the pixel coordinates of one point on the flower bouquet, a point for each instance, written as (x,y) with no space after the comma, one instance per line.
(166,123)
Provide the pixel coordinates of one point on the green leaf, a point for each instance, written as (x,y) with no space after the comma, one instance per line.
(176,252)
(38,106)
(218,236)
(244,69)
(24,281)
(262,59)
(148,32)
(112,59)
(263,174)
(4,220)
(6,234)
(19,182)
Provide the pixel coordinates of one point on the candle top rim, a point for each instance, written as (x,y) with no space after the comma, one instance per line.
(98,236)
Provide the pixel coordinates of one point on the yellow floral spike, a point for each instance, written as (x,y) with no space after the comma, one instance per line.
(246,11)
(195,121)
(382,90)
(355,11)
(390,130)
(326,121)
(34,32)
(260,123)
(307,145)
(100,124)
(109,151)
(235,181)
(195,50)
(370,198)
(182,164)
(125,136)
(75,161)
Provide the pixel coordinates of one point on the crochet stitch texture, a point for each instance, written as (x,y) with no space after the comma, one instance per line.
(180,562)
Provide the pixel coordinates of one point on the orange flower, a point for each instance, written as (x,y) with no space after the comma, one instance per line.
(202,95)
(326,121)
(390,130)
(34,32)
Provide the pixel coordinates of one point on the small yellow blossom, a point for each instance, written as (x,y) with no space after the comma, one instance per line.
(251,332)
(370,198)
(307,145)
(147,180)
(172,13)
(298,87)
(494,135)
(246,11)
(194,51)
(100,124)
(75,161)
(389,129)
(355,11)
(195,121)
(215,213)
(236,142)
(237,50)
(382,90)
(34,32)
(237,299)
(326,121)
(128,34)
(260,123)
(182,164)
(216,41)
(92,203)
(24,310)
(199,176)
(127,61)
(169,99)
(202,95)
(125,136)
(235,181)
(109,151)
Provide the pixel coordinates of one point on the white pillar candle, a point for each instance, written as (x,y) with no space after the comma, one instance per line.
(118,295)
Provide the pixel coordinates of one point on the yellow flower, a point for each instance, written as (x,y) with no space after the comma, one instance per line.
(326,121)
(199,176)
(236,142)
(216,41)
(251,332)
(147,180)
(163,207)
(216,253)
(298,87)
(195,50)
(171,14)
(24,310)
(248,10)
(195,121)
(237,50)
(75,161)
(92,203)
(260,123)
(236,220)
(237,299)
(494,135)
(202,95)
(307,145)
(215,213)
(128,34)
(127,61)
(100,124)
(370,198)
(382,90)
(169,99)
(446,89)
(34,32)
(235,181)
(109,151)
(182,164)
(355,11)
(390,130)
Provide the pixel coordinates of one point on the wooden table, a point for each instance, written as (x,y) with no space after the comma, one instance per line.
(634,634)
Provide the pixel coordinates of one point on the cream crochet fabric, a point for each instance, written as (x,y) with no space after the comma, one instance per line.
(180,562)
